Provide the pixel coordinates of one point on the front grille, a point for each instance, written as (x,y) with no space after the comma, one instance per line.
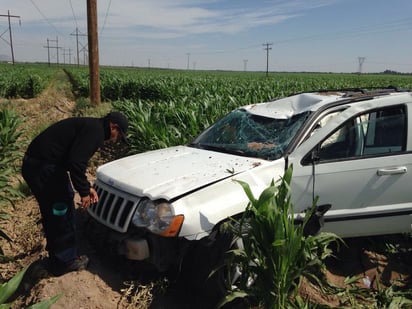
(115,208)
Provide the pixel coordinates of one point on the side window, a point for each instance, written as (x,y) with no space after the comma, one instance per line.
(378,132)
(386,131)
(342,143)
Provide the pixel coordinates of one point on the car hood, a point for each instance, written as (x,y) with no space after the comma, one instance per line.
(168,173)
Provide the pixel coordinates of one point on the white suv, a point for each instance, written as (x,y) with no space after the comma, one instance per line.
(352,148)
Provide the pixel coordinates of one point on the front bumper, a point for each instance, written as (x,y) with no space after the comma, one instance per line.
(139,245)
(135,249)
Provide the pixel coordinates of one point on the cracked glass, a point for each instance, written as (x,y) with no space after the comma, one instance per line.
(247,134)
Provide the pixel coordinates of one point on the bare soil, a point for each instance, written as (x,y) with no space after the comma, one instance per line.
(108,284)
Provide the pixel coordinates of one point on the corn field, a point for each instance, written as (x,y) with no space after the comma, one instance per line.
(171,107)
(24,81)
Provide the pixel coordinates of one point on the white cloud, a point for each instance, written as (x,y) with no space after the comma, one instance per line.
(195,17)
(159,18)
(166,30)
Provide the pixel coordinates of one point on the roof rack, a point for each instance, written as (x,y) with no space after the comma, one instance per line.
(357,92)
(366,90)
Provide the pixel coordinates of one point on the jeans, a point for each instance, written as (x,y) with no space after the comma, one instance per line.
(51,186)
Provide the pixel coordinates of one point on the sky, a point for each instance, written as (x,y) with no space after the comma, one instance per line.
(365,36)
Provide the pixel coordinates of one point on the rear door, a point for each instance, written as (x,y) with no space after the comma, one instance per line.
(363,169)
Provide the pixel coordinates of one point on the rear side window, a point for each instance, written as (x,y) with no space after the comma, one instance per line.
(378,132)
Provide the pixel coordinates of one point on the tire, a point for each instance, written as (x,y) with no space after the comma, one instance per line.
(205,275)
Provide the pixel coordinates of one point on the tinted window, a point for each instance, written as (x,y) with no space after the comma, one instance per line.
(378,132)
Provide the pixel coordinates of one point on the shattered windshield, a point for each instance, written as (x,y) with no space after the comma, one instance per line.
(246,134)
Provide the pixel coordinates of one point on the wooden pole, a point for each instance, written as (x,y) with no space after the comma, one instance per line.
(11,37)
(93,52)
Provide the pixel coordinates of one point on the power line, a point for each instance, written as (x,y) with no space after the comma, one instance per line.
(267,48)
(10,35)
(74,15)
(391,26)
(77,33)
(105,16)
(67,52)
(394,26)
(44,17)
(55,47)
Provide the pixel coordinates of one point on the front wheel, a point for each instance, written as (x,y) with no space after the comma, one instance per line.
(205,274)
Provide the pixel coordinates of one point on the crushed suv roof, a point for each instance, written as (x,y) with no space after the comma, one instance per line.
(311,101)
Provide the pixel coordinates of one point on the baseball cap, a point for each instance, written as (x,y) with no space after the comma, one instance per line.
(121,121)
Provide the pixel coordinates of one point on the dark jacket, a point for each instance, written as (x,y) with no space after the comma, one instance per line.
(71,143)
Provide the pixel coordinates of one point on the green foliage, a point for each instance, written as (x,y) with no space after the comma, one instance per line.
(46,303)
(353,295)
(276,252)
(170,107)
(392,297)
(25,81)
(9,153)
(8,289)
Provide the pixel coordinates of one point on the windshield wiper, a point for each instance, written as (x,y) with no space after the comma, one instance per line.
(218,149)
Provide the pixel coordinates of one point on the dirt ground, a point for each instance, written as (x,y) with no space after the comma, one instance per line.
(107,284)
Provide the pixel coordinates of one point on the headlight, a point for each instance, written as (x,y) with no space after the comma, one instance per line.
(158,217)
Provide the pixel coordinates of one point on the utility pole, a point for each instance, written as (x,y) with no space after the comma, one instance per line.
(48,49)
(66,52)
(188,58)
(267,48)
(10,36)
(361,60)
(93,52)
(57,49)
(48,52)
(77,34)
(245,65)
(85,59)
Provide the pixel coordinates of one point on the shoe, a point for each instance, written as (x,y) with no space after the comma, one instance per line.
(80,263)
(59,269)
(37,270)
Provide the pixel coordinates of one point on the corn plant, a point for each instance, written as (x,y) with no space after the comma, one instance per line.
(276,252)
(9,288)
(22,80)
(392,297)
(353,295)
(167,107)
(9,153)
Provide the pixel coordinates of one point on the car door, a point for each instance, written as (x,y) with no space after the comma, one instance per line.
(362,168)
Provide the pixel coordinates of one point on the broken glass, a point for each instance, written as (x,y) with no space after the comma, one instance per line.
(243,133)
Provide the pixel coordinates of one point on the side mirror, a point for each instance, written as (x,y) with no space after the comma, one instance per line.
(316,220)
(311,158)
(314,155)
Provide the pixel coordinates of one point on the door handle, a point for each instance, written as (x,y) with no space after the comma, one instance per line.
(392,171)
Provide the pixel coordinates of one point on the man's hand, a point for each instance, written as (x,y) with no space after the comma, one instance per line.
(94,198)
(85,202)
(89,199)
